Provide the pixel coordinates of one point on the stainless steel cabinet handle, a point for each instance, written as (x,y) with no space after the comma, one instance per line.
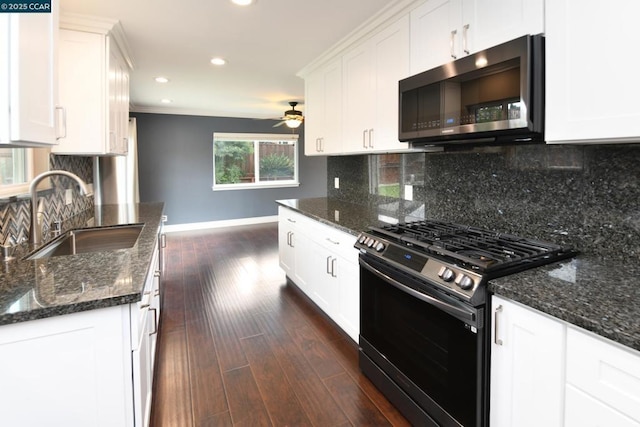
(291,220)
(333,267)
(163,240)
(452,43)
(318,145)
(329,266)
(332,241)
(155,321)
(64,121)
(364,138)
(465,41)
(371,138)
(496,340)
(156,273)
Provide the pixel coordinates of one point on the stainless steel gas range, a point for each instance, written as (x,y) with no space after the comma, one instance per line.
(424,315)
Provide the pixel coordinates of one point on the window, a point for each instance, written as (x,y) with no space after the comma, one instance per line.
(251,160)
(18,166)
(14,170)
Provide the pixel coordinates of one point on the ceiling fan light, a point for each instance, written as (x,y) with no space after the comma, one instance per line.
(293,123)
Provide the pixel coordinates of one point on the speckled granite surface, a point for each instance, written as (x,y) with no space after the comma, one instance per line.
(353,218)
(588,291)
(67,284)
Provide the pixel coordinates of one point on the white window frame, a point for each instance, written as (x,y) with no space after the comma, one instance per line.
(256,138)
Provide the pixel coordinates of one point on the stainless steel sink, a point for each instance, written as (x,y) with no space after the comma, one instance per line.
(90,240)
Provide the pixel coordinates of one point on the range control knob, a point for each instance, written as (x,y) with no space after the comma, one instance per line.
(379,247)
(371,242)
(446,274)
(362,238)
(465,282)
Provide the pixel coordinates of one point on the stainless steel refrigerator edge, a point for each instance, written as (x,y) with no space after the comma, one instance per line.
(116,179)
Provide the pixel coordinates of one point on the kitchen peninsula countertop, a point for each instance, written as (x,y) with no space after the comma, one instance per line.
(59,285)
(586,291)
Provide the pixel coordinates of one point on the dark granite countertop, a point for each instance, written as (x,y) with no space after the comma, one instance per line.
(588,292)
(66,284)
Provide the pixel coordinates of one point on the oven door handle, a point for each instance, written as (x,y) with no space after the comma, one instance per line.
(459,313)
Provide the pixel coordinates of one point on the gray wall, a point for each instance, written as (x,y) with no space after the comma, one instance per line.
(175,155)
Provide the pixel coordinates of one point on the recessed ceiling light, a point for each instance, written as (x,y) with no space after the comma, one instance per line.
(161,79)
(243,2)
(166,101)
(218,61)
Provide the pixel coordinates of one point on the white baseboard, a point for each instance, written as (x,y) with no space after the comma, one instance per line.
(220,224)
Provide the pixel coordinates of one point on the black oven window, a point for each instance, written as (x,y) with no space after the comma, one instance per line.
(436,351)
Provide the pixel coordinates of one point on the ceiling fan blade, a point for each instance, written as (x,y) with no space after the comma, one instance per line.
(278,124)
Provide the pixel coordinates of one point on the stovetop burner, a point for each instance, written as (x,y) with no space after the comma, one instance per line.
(474,248)
(456,257)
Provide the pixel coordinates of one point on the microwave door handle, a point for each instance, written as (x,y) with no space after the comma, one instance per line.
(447,308)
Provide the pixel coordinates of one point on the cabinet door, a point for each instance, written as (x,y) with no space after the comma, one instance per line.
(591,79)
(605,371)
(582,410)
(29,77)
(286,244)
(435,34)
(390,64)
(349,298)
(323,106)
(142,373)
(82,92)
(488,23)
(358,90)
(69,370)
(527,360)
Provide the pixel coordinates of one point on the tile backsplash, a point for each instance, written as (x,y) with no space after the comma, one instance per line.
(15,212)
(582,196)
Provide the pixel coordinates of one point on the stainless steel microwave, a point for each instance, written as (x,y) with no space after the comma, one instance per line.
(493,96)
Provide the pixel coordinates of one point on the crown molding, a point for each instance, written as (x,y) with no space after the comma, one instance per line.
(105,26)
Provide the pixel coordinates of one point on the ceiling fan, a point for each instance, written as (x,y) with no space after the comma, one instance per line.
(292,118)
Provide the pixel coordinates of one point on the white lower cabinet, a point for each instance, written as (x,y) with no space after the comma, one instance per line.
(70,370)
(527,353)
(546,372)
(603,382)
(92,368)
(323,263)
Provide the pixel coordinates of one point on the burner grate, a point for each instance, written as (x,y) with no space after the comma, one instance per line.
(474,248)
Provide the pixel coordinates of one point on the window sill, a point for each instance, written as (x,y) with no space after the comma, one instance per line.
(232,187)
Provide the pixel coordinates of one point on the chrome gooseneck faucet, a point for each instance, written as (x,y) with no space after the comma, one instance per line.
(35,233)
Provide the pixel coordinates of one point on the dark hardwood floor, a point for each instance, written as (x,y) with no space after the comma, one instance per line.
(240,346)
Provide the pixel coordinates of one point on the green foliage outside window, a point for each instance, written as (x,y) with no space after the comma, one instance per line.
(230,158)
(275,166)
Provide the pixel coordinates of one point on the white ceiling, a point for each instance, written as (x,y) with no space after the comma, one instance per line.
(265,45)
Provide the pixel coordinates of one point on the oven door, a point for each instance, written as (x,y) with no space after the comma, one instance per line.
(423,349)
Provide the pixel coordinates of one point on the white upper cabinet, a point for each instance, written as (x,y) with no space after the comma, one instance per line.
(445,30)
(28,78)
(94,87)
(371,72)
(591,71)
(323,110)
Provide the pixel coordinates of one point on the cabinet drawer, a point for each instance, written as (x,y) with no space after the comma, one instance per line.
(295,219)
(336,241)
(605,371)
